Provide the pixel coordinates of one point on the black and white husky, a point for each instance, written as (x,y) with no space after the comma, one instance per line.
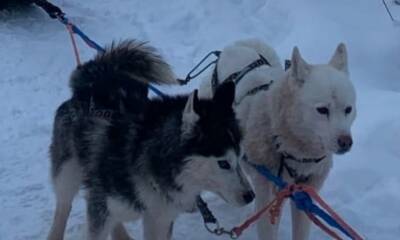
(138,157)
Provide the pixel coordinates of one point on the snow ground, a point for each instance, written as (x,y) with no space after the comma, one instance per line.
(36,60)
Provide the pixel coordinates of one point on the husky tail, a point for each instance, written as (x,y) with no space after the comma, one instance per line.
(120,75)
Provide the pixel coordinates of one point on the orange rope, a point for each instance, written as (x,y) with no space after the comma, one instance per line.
(334,215)
(277,206)
(274,208)
(326,229)
(238,230)
(74,45)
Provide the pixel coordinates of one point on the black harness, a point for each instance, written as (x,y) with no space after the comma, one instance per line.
(236,77)
(292,172)
(254,91)
(285,156)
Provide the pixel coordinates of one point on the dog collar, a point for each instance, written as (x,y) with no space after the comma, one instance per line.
(284,156)
(287,156)
(292,173)
(298,178)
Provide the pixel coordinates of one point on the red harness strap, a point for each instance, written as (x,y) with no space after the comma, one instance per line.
(274,208)
(74,45)
(324,228)
(311,191)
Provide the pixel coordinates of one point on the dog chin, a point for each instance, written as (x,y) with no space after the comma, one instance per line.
(341,152)
(233,202)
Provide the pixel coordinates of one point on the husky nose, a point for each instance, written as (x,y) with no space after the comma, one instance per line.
(248,197)
(345,142)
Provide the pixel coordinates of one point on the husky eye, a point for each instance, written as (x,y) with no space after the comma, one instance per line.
(223,164)
(348,110)
(323,110)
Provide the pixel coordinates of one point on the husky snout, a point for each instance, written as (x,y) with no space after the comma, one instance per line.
(344,143)
(241,198)
(248,197)
(246,194)
(231,183)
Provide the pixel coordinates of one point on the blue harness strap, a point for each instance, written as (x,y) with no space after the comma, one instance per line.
(305,203)
(264,171)
(82,35)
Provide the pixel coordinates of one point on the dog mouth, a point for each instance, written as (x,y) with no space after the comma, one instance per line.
(342,151)
(222,196)
(233,202)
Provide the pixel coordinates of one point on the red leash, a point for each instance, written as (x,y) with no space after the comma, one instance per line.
(274,208)
(324,228)
(311,191)
(74,45)
(240,229)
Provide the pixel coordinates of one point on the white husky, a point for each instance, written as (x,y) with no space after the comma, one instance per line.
(296,125)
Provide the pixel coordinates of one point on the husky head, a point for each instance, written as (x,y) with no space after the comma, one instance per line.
(320,104)
(212,135)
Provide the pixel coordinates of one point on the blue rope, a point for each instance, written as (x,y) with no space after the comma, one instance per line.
(156,91)
(84,37)
(302,200)
(97,47)
(269,176)
(305,203)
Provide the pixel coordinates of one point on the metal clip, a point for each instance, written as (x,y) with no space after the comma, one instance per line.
(217,230)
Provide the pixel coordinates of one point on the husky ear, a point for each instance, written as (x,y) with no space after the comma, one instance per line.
(299,68)
(225,94)
(190,113)
(339,59)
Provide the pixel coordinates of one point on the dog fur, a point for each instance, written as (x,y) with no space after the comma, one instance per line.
(13,4)
(307,112)
(138,157)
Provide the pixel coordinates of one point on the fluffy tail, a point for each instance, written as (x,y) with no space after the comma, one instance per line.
(121,74)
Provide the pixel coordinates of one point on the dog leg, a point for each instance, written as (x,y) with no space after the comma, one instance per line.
(265,193)
(300,223)
(100,223)
(120,233)
(66,185)
(99,232)
(158,226)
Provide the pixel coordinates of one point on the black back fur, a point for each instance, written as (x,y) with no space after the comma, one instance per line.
(145,139)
